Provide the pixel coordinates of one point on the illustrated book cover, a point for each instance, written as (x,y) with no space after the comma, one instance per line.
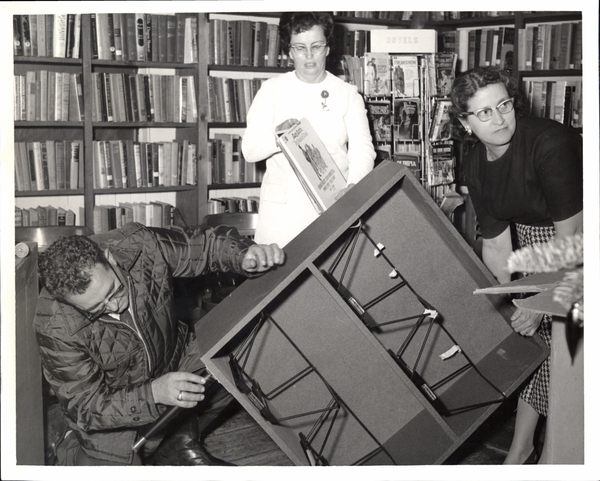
(317,171)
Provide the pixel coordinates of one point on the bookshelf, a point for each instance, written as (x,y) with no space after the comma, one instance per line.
(93,129)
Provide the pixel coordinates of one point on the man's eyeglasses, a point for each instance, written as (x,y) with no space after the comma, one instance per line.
(485,114)
(316,49)
(101,309)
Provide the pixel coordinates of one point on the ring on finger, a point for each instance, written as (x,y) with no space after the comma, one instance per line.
(180,396)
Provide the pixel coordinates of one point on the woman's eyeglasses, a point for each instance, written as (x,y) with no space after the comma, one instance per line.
(316,49)
(485,114)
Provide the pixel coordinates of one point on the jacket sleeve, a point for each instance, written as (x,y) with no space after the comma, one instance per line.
(80,385)
(195,251)
(189,252)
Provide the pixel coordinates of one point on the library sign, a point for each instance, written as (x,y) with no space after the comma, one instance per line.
(403,41)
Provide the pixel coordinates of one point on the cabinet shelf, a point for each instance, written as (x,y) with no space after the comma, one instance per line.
(144,125)
(47,124)
(249,185)
(550,73)
(144,64)
(141,190)
(248,68)
(230,125)
(48,61)
(48,193)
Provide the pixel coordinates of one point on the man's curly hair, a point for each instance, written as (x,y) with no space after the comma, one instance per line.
(65,267)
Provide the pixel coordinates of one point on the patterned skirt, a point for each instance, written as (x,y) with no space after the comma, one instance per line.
(535,393)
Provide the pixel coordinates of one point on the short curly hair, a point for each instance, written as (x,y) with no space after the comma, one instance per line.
(65,267)
(469,83)
(297,22)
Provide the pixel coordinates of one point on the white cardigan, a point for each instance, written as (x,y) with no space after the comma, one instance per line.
(285,209)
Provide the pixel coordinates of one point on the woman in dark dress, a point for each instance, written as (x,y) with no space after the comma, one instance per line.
(526,172)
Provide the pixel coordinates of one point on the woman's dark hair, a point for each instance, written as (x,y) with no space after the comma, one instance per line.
(469,83)
(65,267)
(291,23)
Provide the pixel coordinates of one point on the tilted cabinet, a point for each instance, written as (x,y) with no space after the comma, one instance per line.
(368,345)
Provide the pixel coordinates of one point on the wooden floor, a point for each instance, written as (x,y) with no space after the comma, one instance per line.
(240,440)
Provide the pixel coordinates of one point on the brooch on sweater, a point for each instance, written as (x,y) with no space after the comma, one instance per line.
(324,96)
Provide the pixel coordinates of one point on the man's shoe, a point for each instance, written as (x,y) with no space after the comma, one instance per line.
(182,450)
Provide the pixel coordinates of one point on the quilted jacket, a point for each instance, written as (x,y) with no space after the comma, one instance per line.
(102,371)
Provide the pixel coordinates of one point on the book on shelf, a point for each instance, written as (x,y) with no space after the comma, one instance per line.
(316,170)
(559,99)
(379,114)
(405,76)
(550,46)
(440,128)
(406,119)
(43,216)
(144,37)
(377,76)
(48,96)
(445,72)
(47,35)
(441,172)
(244,42)
(411,160)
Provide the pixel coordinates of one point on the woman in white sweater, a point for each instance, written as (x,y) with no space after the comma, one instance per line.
(334,108)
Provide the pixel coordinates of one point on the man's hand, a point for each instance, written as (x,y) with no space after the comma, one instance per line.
(261,258)
(182,389)
(526,322)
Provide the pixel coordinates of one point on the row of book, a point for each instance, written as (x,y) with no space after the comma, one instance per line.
(560,100)
(378,74)
(121,97)
(245,42)
(151,214)
(396,15)
(52,35)
(230,205)
(551,46)
(228,165)
(171,38)
(480,47)
(48,96)
(229,99)
(541,47)
(48,165)
(43,216)
(462,15)
(129,164)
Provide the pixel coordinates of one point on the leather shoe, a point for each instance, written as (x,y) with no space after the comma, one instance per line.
(182,450)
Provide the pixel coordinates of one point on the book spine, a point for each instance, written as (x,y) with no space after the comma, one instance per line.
(118,36)
(17,36)
(94,34)
(60,35)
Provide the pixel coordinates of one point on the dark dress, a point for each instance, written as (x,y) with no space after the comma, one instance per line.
(538,181)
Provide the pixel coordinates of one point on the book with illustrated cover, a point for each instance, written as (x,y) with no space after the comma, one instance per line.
(406,119)
(440,124)
(405,76)
(377,74)
(380,119)
(317,171)
(441,172)
(445,71)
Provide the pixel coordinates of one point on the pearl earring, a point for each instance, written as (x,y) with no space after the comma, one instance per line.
(469,131)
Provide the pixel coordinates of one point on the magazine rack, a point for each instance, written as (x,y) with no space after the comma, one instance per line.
(368,345)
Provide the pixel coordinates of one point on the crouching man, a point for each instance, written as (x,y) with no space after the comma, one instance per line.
(113,350)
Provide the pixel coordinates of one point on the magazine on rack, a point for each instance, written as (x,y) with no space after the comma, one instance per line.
(317,171)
